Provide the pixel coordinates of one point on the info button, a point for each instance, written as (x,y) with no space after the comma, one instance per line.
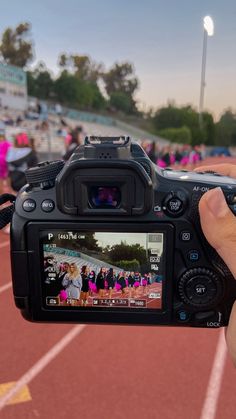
(47,205)
(29,205)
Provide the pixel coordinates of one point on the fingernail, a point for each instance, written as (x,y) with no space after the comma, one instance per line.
(216,202)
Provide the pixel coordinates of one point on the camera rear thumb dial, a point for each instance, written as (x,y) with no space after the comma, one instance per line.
(200,287)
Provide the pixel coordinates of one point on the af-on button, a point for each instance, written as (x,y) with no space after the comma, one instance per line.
(48,205)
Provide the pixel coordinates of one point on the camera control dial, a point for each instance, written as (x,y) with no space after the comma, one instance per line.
(200,287)
(44,174)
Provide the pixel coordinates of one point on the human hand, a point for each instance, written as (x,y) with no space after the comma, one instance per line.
(219,226)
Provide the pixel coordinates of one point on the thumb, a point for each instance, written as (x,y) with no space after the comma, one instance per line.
(219,226)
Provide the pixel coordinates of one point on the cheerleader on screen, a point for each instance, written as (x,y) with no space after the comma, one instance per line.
(100,282)
(110,281)
(85,285)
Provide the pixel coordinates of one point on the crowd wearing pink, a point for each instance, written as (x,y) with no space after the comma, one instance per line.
(4,147)
(22,139)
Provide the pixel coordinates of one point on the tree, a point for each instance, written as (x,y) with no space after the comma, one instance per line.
(86,69)
(129,265)
(226,129)
(66,89)
(72,91)
(40,82)
(121,102)
(121,84)
(178,135)
(15,48)
(63,61)
(81,66)
(127,252)
(174,117)
(120,78)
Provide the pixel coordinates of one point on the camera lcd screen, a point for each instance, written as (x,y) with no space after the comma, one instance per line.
(118,270)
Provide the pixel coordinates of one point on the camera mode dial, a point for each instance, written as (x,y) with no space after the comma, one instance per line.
(200,287)
(44,174)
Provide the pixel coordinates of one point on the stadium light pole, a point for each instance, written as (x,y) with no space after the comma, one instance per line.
(208,30)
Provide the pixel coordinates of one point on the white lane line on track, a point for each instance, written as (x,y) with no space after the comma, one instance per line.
(214,385)
(5,287)
(41,364)
(4,244)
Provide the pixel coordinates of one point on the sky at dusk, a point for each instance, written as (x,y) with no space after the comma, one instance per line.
(162,38)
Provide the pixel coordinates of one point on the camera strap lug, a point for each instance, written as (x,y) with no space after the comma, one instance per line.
(7,212)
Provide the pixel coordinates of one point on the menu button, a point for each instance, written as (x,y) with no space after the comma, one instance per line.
(29,205)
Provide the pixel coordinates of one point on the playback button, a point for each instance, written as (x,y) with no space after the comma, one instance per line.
(194,255)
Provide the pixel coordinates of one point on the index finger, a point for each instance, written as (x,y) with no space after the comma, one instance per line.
(225,169)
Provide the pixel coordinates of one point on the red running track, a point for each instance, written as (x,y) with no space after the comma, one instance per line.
(112,371)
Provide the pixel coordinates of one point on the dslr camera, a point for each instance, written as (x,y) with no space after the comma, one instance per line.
(108,237)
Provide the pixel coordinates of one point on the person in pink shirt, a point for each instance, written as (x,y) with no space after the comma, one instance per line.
(4,147)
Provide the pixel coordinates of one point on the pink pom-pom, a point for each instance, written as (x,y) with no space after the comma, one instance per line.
(106,284)
(92,286)
(172,159)
(68,139)
(184,160)
(22,139)
(144,282)
(63,295)
(136,284)
(161,163)
(196,158)
(127,282)
(118,287)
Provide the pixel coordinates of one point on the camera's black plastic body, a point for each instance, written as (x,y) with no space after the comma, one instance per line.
(199,290)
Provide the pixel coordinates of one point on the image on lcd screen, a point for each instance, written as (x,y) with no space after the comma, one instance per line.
(102,269)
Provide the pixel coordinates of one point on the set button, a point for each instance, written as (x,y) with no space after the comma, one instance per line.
(200,287)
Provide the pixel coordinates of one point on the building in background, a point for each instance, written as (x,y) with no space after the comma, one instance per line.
(13,87)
